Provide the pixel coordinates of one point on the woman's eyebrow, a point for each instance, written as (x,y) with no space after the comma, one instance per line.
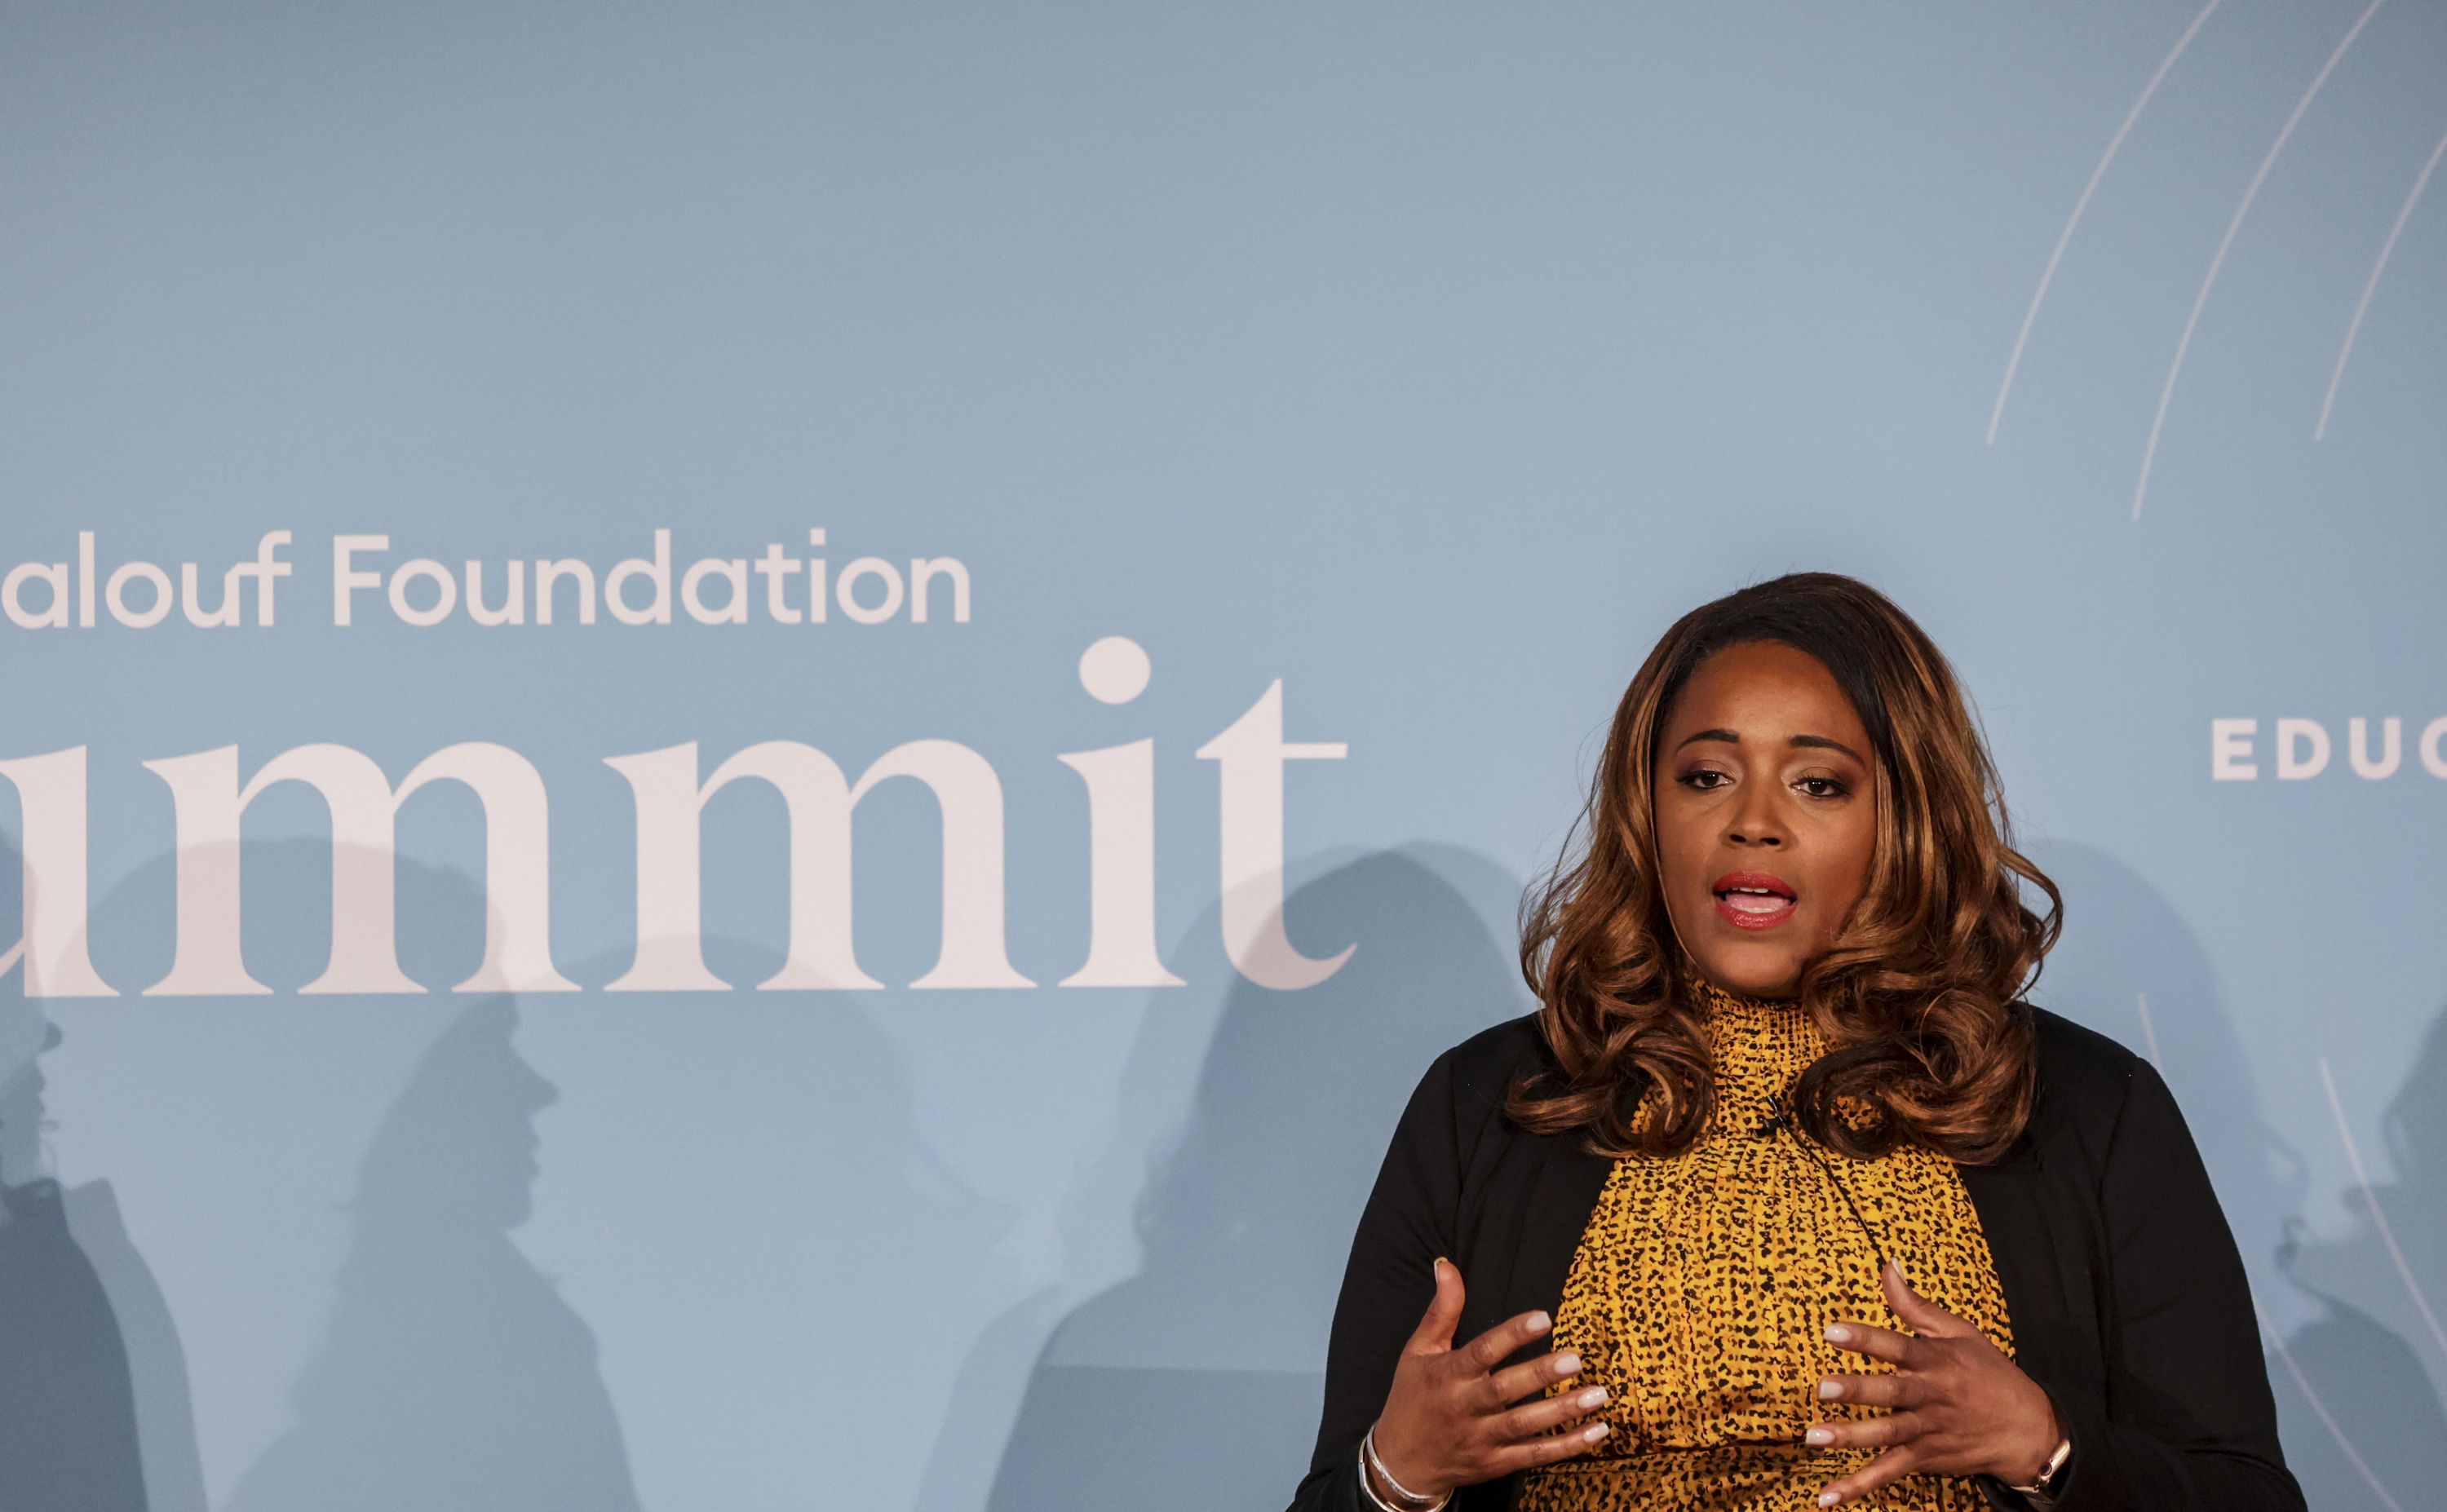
(1732,738)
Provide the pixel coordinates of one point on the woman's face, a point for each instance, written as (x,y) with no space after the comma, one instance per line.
(1766,814)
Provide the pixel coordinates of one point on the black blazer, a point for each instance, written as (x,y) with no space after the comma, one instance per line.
(2127,1295)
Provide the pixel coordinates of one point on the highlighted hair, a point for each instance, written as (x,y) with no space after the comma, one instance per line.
(1918,994)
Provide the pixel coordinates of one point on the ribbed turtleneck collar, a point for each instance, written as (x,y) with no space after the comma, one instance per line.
(1762,1044)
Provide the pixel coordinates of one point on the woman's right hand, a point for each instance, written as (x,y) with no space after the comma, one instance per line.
(1449,1420)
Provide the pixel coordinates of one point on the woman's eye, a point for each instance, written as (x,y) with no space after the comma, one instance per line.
(1693,779)
(1832,787)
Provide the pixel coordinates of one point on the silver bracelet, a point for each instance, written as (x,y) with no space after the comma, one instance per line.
(1412,1500)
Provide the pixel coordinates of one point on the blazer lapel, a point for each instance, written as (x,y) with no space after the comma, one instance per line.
(2041,1252)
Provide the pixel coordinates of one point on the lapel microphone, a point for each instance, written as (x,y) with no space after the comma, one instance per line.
(1778,1121)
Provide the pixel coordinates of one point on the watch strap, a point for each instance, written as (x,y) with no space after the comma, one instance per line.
(2044,1483)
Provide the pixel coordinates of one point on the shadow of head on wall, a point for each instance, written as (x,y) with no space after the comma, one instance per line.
(2131,967)
(2377,1360)
(448,1370)
(376,1157)
(1201,1373)
(2362,1422)
(68,1434)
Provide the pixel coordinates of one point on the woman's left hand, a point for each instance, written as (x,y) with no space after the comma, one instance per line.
(1958,1405)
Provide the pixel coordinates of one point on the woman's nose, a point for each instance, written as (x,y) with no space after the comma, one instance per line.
(1754,823)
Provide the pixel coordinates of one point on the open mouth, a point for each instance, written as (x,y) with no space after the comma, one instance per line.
(1754,899)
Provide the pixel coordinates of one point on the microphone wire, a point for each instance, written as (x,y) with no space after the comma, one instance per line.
(1782,1119)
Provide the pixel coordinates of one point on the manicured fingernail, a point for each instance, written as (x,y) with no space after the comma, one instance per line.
(1828,1499)
(1828,1391)
(1567,1363)
(1819,1436)
(1594,1432)
(1592,1396)
(1838,1333)
(1540,1322)
(1439,1267)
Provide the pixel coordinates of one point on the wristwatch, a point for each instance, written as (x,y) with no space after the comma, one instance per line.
(2041,1492)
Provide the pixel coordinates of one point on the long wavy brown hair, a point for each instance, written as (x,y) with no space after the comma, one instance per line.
(1919,993)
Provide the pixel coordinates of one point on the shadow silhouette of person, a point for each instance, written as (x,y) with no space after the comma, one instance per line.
(2131,967)
(453,1374)
(69,1436)
(2384,1288)
(359,1164)
(1195,1383)
(2360,1422)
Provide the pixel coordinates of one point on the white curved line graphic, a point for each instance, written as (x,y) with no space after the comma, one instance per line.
(2277,1340)
(2150,1033)
(2379,1215)
(2386,249)
(2175,369)
(2022,337)
(2302,1383)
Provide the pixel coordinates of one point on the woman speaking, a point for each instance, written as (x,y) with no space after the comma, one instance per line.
(1784,1197)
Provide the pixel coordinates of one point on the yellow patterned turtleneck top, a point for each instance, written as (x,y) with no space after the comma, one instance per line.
(1704,1281)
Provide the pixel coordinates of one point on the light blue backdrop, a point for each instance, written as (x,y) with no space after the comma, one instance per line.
(1425,360)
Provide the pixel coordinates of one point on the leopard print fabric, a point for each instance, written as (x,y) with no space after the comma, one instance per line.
(1704,1282)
